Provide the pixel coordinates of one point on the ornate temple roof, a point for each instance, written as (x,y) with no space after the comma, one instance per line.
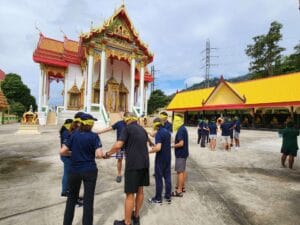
(57,53)
(3,101)
(277,91)
(119,13)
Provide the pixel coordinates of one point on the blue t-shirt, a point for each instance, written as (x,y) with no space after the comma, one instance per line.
(64,136)
(237,127)
(182,134)
(163,137)
(119,126)
(167,125)
(212,128)
(83,146)
(225,127)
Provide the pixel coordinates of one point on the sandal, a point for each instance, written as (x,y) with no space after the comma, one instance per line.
(177,194)
(183,189)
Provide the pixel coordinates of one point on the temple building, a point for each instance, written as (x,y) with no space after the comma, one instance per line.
(104,73)
(261,103)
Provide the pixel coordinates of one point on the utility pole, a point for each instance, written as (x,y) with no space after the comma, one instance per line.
(207,58)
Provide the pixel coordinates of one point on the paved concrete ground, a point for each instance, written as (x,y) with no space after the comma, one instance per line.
(247,186)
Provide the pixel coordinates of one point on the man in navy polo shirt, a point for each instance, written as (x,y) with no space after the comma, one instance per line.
(118,126)
(162,149)
(181,153)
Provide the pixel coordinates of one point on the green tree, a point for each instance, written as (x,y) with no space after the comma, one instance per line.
(157,100)
(17,108)
(17,92)
(265,51)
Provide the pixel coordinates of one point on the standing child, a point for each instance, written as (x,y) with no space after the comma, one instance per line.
(118,126)
(289,144)
(181,147)
(212,126)
(162,149)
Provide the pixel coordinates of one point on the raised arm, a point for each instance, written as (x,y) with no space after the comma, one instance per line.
(116,147)
(103,130)
(155,148)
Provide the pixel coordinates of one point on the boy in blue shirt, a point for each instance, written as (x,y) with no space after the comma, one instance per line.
(162,149)
(181,147)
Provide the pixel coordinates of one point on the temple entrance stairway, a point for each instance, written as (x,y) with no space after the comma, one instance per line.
(63,115)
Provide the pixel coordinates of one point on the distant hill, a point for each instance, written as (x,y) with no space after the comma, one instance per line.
(213,82)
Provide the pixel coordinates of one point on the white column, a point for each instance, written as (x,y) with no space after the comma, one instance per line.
(89,83)
(40,91)
(132,77)
(65,92)
(84,93)
(102,76)
(142,78)
(146,101)
(45,90)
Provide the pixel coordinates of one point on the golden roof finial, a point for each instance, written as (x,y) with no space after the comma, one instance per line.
(123,3)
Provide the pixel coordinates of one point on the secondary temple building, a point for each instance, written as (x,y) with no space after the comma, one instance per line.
(105,72)
(261,103)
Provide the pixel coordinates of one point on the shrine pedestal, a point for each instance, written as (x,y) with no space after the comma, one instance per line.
(28,129)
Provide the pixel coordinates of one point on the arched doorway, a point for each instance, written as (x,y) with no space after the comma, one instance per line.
(112,95)
(123,97)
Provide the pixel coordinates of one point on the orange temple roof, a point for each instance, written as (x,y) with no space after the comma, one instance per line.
(57,53)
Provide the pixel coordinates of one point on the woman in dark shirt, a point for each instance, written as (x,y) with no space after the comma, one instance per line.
(289,144)
(83,146)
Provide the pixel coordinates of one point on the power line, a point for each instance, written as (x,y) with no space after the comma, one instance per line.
(207,58)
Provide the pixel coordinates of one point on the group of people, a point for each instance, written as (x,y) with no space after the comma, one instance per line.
(80,146)
(229,128)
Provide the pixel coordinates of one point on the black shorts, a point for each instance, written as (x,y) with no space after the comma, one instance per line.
(135,179)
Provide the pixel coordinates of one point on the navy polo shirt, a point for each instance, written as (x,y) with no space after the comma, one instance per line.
(182,134)
(238,126)
(119,126)
(64,136)
(225,127)
(212,128)
(83,146)
(163,137)
(167,125)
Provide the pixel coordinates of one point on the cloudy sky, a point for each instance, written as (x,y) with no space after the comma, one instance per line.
(176,31)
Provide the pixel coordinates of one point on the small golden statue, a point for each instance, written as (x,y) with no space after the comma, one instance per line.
(30,118)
